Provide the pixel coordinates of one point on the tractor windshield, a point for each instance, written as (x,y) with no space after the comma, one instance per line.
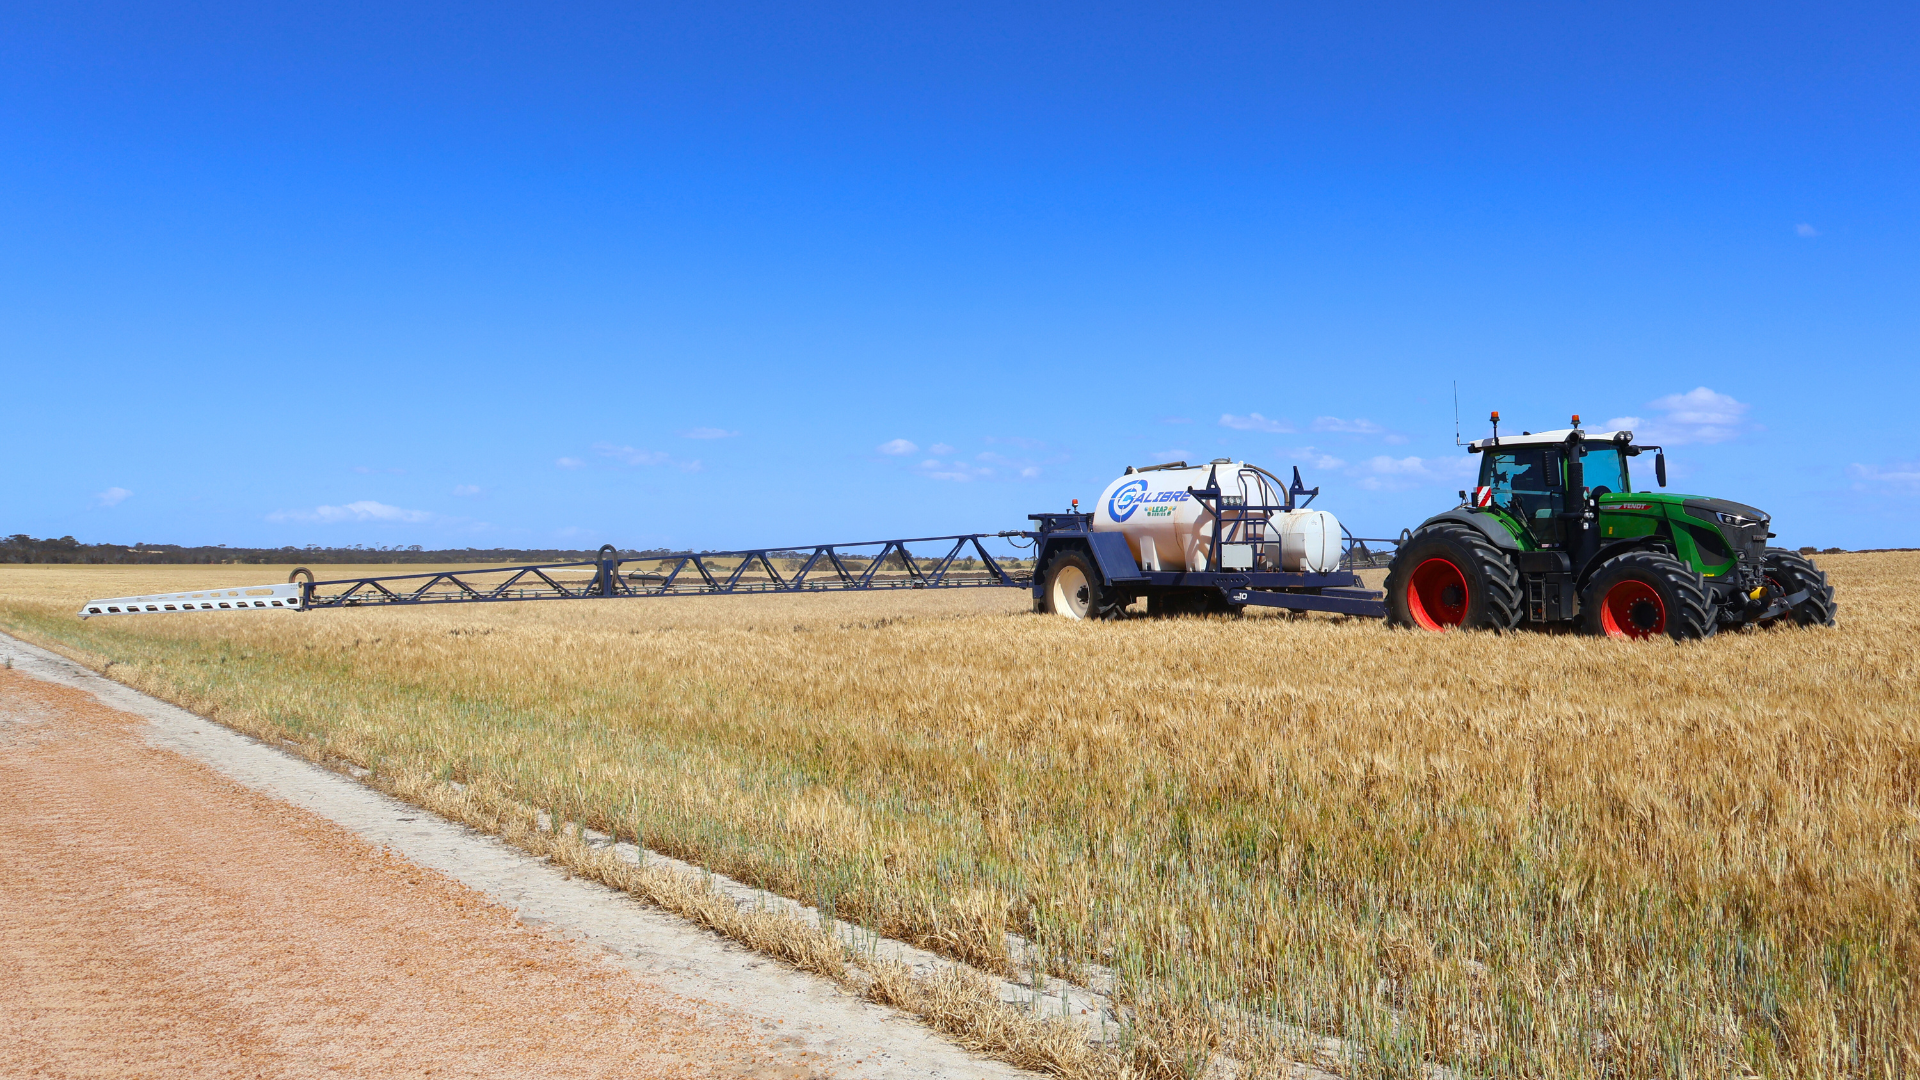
(1605,468)
(1540,469)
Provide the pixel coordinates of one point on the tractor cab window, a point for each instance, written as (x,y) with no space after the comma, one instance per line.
(1605,468)
(1526,468)
(1530,482)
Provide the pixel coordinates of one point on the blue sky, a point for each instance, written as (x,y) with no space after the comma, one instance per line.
(711,275)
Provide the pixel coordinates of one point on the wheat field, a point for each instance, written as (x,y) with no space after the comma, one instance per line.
(1528,855)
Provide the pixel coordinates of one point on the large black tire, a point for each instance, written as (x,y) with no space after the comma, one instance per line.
(1449,575)
(1790,572)
(1645,594)
(1072,588)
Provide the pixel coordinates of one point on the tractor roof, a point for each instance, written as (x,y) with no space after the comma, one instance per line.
(1552,438)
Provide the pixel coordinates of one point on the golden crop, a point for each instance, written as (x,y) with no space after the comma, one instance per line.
(1537,855)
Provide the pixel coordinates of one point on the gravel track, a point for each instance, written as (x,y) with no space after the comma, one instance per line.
(177,899)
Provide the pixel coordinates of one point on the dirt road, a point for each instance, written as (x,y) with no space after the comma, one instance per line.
(158,920)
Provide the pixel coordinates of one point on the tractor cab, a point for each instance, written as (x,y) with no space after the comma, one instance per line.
(1526,476)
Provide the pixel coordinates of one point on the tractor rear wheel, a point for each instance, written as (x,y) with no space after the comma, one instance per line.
(1072,588)
(1449,576)
(1645,594)
(1790,572)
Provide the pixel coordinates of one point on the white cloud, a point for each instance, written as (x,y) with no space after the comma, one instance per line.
(939,448)
(1255,422)
(466,489)
(627,455)
(1315,459)
(708,433)
(569,462)
(958,471)
(1903,474)
(1806,231)
(986,465)
(1701,406)
(1024,468)
(364,510)
(1346,427)
(897,447)
(1406,466)
(1698,416)
(1383,473)
(113,496)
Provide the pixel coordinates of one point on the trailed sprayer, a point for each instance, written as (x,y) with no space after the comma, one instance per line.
(1191,539)
(1555,533)
(1186,538)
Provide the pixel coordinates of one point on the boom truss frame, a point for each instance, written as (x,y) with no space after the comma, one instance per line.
(826,568)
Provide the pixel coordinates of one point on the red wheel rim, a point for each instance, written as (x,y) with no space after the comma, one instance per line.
(1437,595)
(1632,609)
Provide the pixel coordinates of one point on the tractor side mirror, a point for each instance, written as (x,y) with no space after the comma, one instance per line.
(1660,467)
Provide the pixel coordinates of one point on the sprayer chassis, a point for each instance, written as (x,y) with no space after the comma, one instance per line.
(1122,579)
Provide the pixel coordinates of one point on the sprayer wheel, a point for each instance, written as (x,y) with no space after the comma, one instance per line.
(1448,576)
(1072,588)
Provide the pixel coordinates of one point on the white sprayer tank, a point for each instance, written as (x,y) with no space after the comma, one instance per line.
(1168,529)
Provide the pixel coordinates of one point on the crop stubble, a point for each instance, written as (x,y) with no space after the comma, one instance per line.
(1529,855)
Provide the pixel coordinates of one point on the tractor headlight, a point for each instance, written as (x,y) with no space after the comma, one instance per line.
(1735,520)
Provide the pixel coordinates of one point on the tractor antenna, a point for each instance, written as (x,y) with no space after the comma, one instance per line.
(1456,412)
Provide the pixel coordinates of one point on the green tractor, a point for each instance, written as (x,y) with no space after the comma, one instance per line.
(1555,534)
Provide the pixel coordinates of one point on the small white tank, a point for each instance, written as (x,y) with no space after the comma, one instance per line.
(1309,541)
(1168,529)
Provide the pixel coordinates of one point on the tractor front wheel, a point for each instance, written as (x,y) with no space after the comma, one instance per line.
(1449,576)
(1791,572)
(1645,594)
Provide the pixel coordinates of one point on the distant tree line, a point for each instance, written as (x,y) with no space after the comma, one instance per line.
(21,548)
